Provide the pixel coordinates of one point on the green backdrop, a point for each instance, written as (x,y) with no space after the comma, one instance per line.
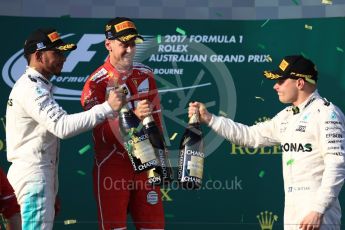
(216,62)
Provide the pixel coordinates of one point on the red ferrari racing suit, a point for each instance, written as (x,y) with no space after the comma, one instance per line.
(8,200)
(117,188)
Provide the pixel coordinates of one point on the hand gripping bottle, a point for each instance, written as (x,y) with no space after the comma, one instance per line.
(163,173)
(191,157)
(136,142)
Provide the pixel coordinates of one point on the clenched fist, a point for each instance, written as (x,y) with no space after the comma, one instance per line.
(116,99)
(143,109)
(198,107)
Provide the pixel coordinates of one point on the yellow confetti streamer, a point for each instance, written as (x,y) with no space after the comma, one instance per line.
(327,2)
(268,58)
(67,222)
(222,113)
(173,136)
(308,27)
(259,98)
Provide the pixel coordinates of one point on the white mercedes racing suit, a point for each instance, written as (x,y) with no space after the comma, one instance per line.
(312,142)
(35,122)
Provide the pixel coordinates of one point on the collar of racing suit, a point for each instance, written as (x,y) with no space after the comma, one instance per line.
(306,103)
(34,75)
(112,71)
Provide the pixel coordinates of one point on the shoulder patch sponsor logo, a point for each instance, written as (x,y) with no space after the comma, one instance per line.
(40,91)
(32,79)
(333,116)
(99,74)
(305,118)
(301,128)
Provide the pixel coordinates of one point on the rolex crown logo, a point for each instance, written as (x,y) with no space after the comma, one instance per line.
(266,220)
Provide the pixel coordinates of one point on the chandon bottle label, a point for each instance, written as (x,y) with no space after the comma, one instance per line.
(136,142)
(191,158)
(161,174)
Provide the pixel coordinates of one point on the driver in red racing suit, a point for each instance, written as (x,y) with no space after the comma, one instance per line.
(117,188)
(9,206)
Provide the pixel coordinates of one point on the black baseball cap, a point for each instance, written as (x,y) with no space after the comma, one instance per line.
(46,39)
(122,29)
(294,66)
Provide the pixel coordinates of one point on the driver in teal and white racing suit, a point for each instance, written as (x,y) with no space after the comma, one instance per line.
(311,134)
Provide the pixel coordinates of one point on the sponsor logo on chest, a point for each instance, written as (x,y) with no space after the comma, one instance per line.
(296,147)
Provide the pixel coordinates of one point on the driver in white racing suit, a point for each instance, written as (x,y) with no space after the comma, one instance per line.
(35,122)
(311,134)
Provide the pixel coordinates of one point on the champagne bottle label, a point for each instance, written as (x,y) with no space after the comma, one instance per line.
(162,156)
(143,151)
(137,143)
(180,164)
(140,148)
(193,166)
(153,177)
(162,173)
(191,159)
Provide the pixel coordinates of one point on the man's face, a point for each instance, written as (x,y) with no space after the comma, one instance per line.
(287,90)
(52,62)
(121,53)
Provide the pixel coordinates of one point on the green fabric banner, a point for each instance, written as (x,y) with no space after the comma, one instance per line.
(217,62)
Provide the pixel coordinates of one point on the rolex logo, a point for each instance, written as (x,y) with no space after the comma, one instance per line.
(266,220)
